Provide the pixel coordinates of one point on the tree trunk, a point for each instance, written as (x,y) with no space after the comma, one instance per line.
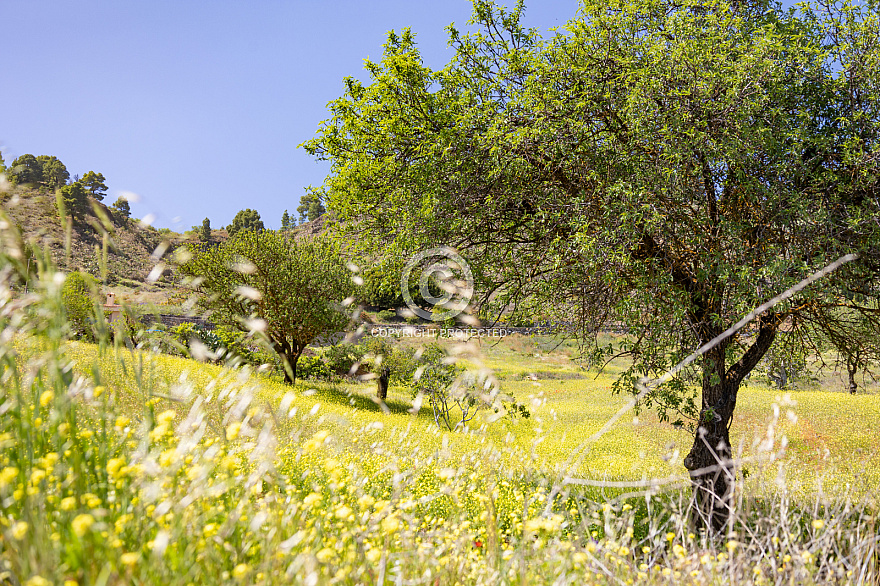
(851,368)
(712,471)
(709,461)
(290,360)
(382,391)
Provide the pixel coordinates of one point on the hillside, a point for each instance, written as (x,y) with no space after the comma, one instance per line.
(129,244)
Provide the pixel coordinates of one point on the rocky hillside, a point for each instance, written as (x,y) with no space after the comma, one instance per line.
(130,245)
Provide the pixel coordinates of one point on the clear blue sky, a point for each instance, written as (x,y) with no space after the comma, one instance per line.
(198,107)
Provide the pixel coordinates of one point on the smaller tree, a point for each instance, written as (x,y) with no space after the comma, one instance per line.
(388,364)
(2,164)
(285,221)
(449,389)
(310,207)
(75,200)
(291,291)
(121,207)
(245,220)
(205,233)
(78,297)
(853,336)
(94,184)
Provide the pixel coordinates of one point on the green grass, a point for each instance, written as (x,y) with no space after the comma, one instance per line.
(831,439)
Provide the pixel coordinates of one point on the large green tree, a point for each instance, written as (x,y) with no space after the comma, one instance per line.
(75,200)
(664,166)
(295,286)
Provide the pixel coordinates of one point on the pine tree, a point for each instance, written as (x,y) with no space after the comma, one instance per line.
(122,208)
(205,234)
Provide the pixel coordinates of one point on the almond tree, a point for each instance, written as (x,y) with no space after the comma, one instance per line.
(662,166)
(290,290)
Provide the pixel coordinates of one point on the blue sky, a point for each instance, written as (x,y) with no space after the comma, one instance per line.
(198,107)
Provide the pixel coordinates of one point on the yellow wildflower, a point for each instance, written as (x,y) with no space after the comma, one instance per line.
(7,476)
(166,417)
(240,571)
(128,559)
(46,398)
(37,581)
(232,430)
(49,460)
(818,524)
(325,555)
(167,457)
(390,524)
(68,503)
(113,466)
(19,530)
(82,523)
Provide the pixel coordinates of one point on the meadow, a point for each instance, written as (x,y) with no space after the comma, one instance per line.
(121,466)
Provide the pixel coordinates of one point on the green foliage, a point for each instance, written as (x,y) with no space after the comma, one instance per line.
(94,184)
(381,354)
(287,291)
(310,207)
(340,358)
(75,200)
(381,287)
(385,316)
(245,220)
(287,223)
(205,233)
(25,170)
(312,367)
(54,173)
(43,170)
(78,295)
(122,208)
